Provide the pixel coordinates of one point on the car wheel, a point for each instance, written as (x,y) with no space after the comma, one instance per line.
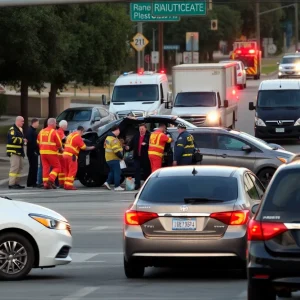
(241,86)
(16,256)
(265,175)
(132,270)
(259,291)
(89,181)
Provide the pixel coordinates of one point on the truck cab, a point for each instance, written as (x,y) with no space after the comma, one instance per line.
(140,94)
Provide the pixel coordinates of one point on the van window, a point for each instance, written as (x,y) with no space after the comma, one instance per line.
(141,92)
(290,60)
(278,98)
(195,99)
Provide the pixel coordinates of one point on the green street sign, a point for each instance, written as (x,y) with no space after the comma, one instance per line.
(179,8)
(142,12)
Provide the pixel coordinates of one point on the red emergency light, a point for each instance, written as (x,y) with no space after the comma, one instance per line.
(162,71)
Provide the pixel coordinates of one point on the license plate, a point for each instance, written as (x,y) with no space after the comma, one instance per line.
(279,129)
(184,224)
(290,73)
(87,160)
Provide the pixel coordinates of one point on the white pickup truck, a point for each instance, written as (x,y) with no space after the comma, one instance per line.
(205,94)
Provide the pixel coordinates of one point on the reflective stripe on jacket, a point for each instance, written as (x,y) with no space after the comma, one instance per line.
(49,141)
(74,144)
(15,141)
(184,146)
(112,146)
(157,143)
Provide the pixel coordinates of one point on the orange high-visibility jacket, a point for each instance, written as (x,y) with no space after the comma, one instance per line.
(157,143)
(61,134)
(49,141)
(74,144)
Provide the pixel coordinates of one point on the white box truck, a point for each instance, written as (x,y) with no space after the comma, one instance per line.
(205,94)
(140,94)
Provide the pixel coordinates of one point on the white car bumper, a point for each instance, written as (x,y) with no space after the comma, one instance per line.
(54,247)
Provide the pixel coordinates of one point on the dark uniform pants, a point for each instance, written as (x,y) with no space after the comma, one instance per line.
(185,161)
(33,169)
(141,163)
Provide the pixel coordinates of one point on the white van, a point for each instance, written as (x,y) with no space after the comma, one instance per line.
(205,94)
(140,94)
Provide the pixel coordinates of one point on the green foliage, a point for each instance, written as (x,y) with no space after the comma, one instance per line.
(3,104)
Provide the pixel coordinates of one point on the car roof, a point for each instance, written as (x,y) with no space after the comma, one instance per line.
(81,108)
(204,66)
(279,84)
(145,78)
(221,171)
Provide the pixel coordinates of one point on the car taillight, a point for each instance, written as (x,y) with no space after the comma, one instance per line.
(233,92)
(239,217)
(263,231)
(240,74)
(133,217)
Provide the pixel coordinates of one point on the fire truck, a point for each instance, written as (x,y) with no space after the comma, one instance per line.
(250,55)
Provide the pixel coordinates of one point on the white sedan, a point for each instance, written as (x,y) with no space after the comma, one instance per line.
(240,72)
(31,236)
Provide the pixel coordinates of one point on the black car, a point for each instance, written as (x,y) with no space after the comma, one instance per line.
(92,167)
(274,238)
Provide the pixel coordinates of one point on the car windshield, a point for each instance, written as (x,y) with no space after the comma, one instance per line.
(181,187)
(193,99)
(75,115)
(138,92)
(278,98)
(284,193)
(290,60)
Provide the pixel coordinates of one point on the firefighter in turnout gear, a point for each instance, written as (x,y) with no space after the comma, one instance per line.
(63,125)
(15,151)
(74,144)
(157,143)
(50,144)
(184,147)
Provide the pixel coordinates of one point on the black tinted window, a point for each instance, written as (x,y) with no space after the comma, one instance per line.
(284,192)
(279,98)
(226,142)
(250,188)
(204,140)
(174,189)
(260,188)
(193,99)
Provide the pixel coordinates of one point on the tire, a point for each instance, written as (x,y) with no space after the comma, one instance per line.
(241,86)
(88,181)
(245,85)
(132,270)
(265,175)
(25,262)
(261,291)
(284,294)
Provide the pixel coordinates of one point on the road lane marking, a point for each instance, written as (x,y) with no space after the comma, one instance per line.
(82,257)
(81,293)
(99,228)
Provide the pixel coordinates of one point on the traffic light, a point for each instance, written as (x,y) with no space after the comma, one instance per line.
(214,25)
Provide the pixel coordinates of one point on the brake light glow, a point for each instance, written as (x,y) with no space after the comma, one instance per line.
(133,217)
(239,217)
(162,71)
(233,92)
(240,74)
(263,231)
(251,51)
(239,51)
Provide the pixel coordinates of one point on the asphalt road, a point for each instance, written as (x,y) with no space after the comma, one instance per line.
(97,268)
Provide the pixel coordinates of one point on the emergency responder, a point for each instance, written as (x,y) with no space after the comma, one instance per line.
(157,143)
(63,125)
(73,145)
(50,144)
(184,147)
(113,157)
(15,150)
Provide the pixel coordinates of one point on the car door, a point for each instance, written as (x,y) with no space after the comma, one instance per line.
(230,152)
(205,142)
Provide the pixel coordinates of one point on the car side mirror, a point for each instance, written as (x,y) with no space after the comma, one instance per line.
(168,105)
(247,148)
(169,97)
(104,102)
(254,208)
(97,119)
(226,103)
(251,106)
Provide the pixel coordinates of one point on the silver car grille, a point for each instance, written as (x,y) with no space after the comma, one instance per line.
(196,120)
(123,114)
(280,123)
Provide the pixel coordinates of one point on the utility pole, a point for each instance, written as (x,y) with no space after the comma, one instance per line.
(161,44)
(140,60)
(192,38)
(153,41)
(296,26)
(257,9)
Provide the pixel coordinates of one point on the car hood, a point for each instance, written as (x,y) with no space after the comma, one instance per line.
(31,208)
(190,111)
(267,114)
(148,106)
(287,65)
(284,153)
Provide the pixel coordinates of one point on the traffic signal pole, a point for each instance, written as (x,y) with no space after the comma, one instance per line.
(257,9)
(161,44)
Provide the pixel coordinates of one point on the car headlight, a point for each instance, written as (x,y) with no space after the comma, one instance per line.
(154,112)
(297,123)
(213,117)
(282,159)
(50,222)
(280,68)
(259,122)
